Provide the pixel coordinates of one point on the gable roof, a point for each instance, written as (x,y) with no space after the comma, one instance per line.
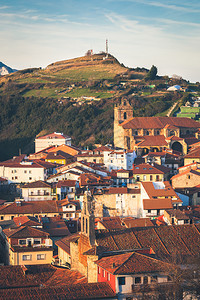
(24,232)
(30,207)
(37,184)
(157,204)
(193,154)
(26,221)
(164,240)
(54,135)
(159,122)
(131,263)
(152,140)
(99,290)
(146,168)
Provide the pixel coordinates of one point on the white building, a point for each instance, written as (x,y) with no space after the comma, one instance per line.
(36,191)
(52,139)
(23,172)
(119,159)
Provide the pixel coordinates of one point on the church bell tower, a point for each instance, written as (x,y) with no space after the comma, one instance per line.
(88,218)
(122,111)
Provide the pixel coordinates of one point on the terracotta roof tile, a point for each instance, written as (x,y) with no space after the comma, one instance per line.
(131,263)
(37,184)
(157,204)
(25,232)
(140,222)
(152,140)
(30,207)
(101,290)
(159,122)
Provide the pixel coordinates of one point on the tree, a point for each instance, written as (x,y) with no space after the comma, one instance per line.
(151,75)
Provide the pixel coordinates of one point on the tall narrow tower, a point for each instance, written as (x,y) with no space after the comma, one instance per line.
(87,218)
(122,112)
(106,46)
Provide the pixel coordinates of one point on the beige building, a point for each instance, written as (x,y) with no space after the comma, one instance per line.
(36,191)
(53,139)
(119,201)
(27,246)
(29,208)
(149,134)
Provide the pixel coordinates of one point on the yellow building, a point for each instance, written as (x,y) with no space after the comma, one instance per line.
(27,246)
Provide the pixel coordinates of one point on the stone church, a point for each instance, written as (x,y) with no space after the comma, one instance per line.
(152,134)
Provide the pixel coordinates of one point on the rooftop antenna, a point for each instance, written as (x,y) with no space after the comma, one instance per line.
(106,48)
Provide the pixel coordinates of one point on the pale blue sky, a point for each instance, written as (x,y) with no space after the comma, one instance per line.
(141,33)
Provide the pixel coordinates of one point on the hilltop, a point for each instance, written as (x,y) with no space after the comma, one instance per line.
(76,97)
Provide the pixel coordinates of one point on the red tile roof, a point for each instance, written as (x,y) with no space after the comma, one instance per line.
(149,169)
(152,140)
(140,222)
(159,122)
(193,154)
(37,184)
(157,204)
(67,183)
(131,263)
(54,135)
(64,243)
(111,222)
(25,232)
(164,190)
(26,221)
(164,240)
(99,290)
(30,207)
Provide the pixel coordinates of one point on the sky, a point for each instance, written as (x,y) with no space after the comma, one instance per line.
(140,33)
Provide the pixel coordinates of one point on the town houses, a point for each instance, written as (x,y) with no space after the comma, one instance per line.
(119,221)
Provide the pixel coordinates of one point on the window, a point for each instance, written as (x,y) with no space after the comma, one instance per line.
(16,177)
(133,196)
(26,257)
(157,178)
(149,211)
(151,177)
(99,270)
(25,171)
(22,242)
(144,177)
(12,217)
(2,217)
(41,256)
(137,280)
(108,276)
(154,278)
(169,278)
(36,241)
(121,280)
(30,178)
(29,172)
(104,273)
(145,280)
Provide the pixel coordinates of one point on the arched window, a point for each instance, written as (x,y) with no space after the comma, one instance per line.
(125,116)
(124,103)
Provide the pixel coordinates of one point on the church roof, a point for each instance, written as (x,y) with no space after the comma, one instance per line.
(159,122)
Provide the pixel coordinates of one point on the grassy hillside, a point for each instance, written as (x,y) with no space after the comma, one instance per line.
(76,97)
